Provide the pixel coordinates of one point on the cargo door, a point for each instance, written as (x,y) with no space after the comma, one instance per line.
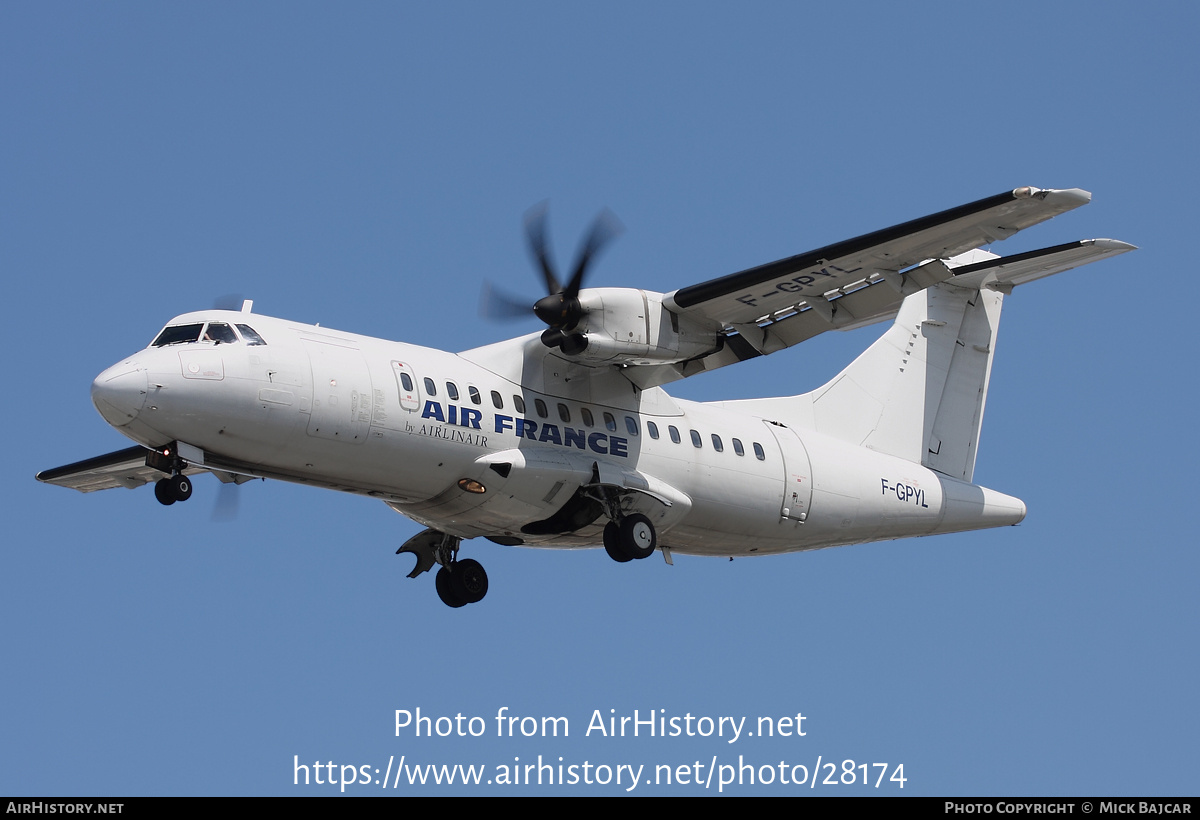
(797,472)
(342,396)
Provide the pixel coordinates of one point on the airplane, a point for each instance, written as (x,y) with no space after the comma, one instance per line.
(567,438)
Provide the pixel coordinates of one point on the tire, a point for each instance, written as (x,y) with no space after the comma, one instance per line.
(445,589)
(638,538)
(469,580)
(612,543)
(163,492)
(181,487)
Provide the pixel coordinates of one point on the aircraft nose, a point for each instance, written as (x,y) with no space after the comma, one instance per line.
(120,392)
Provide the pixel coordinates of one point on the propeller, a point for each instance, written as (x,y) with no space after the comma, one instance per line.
(225,506)
(229,301)
(560,309)
(495,303)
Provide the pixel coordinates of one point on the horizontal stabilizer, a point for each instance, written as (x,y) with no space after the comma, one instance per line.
(1004,272)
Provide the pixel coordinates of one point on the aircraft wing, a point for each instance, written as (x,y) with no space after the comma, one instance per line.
(124,468)
(864,280)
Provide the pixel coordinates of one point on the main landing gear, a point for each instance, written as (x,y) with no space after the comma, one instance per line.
(627,536)
(631,538)
(461,582)
(458,583)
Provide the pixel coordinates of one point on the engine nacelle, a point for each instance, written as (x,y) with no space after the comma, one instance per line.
(628,326)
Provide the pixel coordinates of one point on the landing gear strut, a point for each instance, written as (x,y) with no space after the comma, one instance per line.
(176,488)
(458,583)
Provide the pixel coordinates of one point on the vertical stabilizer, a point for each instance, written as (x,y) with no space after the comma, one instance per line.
(957,374)
(918,393)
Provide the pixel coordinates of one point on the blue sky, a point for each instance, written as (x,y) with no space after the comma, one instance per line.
(367,168)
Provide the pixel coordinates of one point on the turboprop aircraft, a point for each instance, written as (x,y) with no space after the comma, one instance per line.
(568,439)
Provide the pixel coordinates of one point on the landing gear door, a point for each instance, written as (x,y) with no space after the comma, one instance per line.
(797,472)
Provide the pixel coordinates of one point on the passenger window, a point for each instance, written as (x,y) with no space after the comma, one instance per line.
(652,429)
(220,333)
(452,391)
(497,400)
(587,417)
(407,381)
(541,408)
(519,403)
(250,336)
(564,414)
(697,442)
(738,448)
(674,431)
(717,444)
(758,452)
(430,388)
(610,422)
(475,397)
(631,425)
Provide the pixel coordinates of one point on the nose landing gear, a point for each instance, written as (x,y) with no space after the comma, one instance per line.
(176,488)
(170,490)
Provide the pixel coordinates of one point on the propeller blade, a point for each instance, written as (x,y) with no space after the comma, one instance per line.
(230,301)
(605,228)
(535,232)
(498,305)
(225,508)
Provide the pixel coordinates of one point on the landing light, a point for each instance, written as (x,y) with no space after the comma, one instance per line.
(470,485)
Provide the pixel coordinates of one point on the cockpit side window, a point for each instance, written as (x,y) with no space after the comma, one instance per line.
(220,333)
(178,334)
(250,336)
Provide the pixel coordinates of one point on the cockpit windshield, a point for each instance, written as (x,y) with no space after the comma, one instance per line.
(250,336)
(218,333)
(178,334)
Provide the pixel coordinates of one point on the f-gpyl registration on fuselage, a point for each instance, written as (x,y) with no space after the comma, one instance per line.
(567,438)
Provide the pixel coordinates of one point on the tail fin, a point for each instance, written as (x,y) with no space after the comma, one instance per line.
(919,391)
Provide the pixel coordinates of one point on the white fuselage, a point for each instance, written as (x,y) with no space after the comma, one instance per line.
(358,414)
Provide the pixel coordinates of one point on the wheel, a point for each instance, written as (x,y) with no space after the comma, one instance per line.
(638,538)
(163,492)
(446,589)
(612,543)
(469,580)
(181,487)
